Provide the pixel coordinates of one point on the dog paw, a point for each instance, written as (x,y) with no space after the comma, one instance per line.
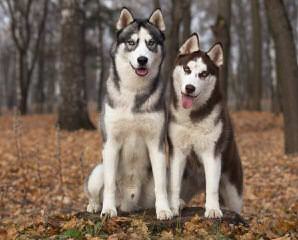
(93,207)
(175,211)
(164,214)
(213,213)
(176,208)
(108,212)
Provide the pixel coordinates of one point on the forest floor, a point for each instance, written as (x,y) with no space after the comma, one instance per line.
(42,171)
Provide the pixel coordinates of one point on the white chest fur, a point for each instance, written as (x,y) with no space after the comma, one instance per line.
(201,136)
(121,122)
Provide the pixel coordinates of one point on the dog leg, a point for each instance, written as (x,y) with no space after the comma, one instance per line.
(231,198)
(94,188)
(177,169)
(110,163)
(158,162)
(212,166)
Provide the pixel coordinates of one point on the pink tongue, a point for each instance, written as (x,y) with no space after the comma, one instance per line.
(187,101)
(142,71)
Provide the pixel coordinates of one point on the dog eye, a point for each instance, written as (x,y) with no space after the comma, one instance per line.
(204,74)
(151,43)
(131,43)
(186,69)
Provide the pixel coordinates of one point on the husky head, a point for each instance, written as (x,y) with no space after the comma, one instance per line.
(195,74)
(139,51)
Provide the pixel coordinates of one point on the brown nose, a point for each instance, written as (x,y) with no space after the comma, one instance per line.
(189,88)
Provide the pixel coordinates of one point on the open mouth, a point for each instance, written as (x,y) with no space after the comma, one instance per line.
(140,71)
(187,100)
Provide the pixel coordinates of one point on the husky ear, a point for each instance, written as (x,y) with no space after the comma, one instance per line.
(157,20)
(190,45)
(125,19)
(216,54)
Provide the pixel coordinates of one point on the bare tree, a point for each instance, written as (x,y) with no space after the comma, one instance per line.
(39,88)
(103,69)
(255,83)
(27,23)
(221,30)
(186,19)
(72,112)
(287,69)
(173,39)
(243,71)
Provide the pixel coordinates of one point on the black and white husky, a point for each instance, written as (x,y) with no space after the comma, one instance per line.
(200,130)
(133,120)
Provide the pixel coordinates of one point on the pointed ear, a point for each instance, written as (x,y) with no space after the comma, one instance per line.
(125,19)
(190,45)
(157,20)
(216,54)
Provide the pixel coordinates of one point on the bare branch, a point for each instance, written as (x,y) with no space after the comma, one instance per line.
(27,24)
(13,25)
(40,32)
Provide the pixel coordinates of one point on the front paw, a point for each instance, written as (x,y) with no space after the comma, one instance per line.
(108,212)
(164,214)
(213,213)
(93,207)
(177,207)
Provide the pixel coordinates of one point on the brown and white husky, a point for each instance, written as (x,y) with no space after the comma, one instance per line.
(200,130)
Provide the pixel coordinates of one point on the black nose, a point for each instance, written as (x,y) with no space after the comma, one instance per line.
(142,60)
(189,88)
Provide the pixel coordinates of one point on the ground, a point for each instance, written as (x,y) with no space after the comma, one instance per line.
(43,170)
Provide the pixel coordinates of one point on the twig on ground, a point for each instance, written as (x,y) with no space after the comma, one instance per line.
(82,155)
(37,154)
(3,194)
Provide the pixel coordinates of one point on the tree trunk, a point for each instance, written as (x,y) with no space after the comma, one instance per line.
(12,82)
(243,70)
(287,70)
(23,82)
(156,4)
(39,89)
(72,111)
(255,83)
(221,31)
(172,46)
(103,66)
(186,19)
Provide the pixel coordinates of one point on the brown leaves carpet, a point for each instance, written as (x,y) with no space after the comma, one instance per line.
(42,171)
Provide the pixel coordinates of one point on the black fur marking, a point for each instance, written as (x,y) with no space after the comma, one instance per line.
(124,34)
(102,123)
(204,111)
(171,147)
(110,101)
(174,98)
(163,133)
(115,78)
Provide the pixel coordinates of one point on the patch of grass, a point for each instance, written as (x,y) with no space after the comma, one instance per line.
(72,233)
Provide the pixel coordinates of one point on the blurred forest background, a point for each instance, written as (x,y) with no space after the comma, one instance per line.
(54,59)
(54,54)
